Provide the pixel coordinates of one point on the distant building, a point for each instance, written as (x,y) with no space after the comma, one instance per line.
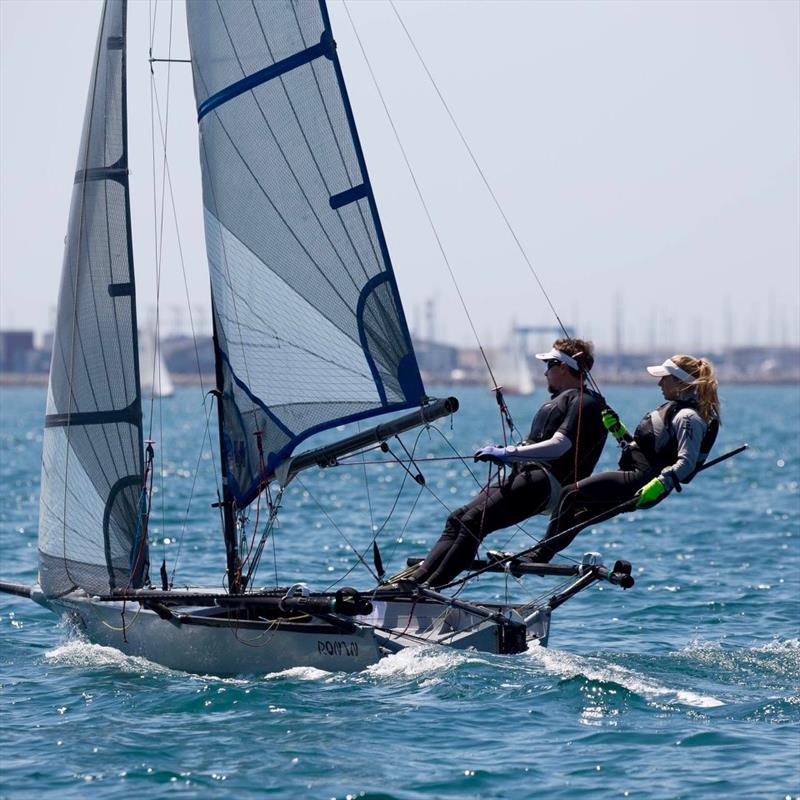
(15,347)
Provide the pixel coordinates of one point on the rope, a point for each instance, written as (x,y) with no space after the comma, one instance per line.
(479,169)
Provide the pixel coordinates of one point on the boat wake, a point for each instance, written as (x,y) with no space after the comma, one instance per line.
(567,666)
(82,654)
(299,674)
(415,662)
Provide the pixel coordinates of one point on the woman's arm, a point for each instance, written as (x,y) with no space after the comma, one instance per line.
(689,429)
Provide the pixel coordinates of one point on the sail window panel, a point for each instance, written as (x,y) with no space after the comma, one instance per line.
(71,523)
(273,198)
(244,37)
(272,330)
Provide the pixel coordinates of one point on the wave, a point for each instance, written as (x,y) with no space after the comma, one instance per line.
(778,658)
(568,666)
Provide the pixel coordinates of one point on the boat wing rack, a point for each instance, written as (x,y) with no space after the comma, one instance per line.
(587,572)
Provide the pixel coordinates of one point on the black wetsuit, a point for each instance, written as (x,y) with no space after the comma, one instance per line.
(603,496)
(526,490)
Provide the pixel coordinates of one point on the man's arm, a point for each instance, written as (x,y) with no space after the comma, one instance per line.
(548,450)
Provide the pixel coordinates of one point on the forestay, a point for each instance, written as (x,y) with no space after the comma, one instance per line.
(92,448)
(310,330)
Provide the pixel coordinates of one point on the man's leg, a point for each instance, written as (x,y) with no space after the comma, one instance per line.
(524,495)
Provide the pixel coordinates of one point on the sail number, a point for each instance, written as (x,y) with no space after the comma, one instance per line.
(338,648)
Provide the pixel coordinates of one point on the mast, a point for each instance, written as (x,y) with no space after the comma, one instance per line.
(228,518)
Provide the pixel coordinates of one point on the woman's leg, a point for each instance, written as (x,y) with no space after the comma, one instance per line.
(592,500)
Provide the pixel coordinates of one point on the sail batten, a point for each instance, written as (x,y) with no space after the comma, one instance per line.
(310,332)
(92,452)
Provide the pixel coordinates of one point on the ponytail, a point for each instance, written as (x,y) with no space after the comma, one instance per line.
(704,384)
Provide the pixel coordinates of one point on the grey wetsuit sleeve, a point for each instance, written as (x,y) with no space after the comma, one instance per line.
(550,449)
(689,429)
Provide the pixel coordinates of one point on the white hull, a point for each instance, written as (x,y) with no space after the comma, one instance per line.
(207,640)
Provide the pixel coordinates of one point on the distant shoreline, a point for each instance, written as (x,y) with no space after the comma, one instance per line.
(39,379)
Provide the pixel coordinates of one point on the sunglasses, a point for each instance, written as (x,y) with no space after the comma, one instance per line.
(550,363)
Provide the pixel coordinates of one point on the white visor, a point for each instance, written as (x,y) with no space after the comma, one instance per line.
(557,355)
(669,367)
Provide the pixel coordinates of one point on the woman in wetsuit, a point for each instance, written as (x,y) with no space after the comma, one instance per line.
(667,448)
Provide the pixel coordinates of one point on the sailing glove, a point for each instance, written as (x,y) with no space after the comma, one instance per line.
(497,455)
(613,424)
(651,493)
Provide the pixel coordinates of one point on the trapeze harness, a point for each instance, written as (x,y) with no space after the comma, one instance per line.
(656,440)
(547,421)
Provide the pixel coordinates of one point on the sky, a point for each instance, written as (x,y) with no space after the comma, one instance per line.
(645,154)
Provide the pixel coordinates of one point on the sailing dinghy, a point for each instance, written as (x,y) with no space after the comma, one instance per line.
(309,334)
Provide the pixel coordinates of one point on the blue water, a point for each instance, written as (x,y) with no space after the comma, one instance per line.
(686,686)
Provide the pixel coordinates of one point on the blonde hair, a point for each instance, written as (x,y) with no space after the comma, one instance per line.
(704,383)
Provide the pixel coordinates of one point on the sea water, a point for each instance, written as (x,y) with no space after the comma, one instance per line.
(687,685)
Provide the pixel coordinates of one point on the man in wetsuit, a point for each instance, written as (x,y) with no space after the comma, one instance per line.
(565,441)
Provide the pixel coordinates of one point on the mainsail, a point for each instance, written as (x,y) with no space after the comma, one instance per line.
(309,328)
(89,523)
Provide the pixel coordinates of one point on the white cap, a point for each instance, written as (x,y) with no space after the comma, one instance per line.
(557,355)
(669,367)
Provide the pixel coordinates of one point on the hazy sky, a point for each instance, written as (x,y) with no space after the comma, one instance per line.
(646,154)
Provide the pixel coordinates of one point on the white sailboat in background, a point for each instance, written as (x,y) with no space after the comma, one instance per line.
(511,367)
(309,334)
(155,377)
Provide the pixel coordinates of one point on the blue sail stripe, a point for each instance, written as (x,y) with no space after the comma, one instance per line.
(349,196)
(369,286)
(325,47)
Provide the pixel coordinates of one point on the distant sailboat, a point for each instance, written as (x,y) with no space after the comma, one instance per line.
(309,334)
(512,369)
(155,377)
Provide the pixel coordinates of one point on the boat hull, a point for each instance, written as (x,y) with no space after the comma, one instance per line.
(209,640)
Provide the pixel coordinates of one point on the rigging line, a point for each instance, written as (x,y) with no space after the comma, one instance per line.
(206,434)
(269,527)
(366,489)
(420,195)
(182,259)
(179,244)
(159,264)
(377,532)
(158,218)
(480,171)
(464,460)
(336,527)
